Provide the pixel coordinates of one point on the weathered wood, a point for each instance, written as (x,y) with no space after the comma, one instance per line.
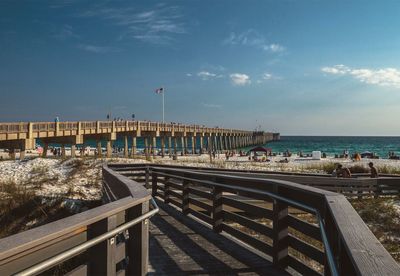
(217,212)
(301,268)
(306,249)
(185,197)
(201,204)
(201,216)
(254,210)
(248,223)
(304,227)
(248,239)
(280,232)
(201,193)
(137,246)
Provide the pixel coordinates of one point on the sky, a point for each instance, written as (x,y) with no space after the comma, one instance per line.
(298,67)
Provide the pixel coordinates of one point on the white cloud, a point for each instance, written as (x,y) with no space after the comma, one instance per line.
(97,49)
(388,77)
(337,69)
(188,75)
(253,38)
(205,75)
(267,76)
(275,48)
(158,26)
(240,79)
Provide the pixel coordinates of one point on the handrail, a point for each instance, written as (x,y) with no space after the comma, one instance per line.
(331,262)
(40,267)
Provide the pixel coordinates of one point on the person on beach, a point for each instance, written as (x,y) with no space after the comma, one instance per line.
(342,172)
(374,171)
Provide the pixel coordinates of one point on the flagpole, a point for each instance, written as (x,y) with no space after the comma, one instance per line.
(163,105)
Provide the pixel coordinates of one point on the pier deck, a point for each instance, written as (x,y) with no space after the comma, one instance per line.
(180,245)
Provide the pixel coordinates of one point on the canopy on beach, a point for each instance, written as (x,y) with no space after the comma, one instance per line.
(267,150)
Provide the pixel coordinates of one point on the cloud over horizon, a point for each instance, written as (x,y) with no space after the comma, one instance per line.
(388,77)
(239,79)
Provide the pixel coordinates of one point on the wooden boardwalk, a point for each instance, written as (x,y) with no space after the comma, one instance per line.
(180,245)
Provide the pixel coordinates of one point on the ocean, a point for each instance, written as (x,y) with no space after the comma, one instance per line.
(332,145)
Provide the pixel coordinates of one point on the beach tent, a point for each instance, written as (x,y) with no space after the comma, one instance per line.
(257,149)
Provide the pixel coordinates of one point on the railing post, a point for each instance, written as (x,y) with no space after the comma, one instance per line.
(147,183)
(102,256)
(185,197)
(154,184)
(217,214)
(280,233)
(166,190)
(138,244)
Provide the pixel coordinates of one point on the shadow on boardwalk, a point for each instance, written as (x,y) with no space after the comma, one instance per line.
(180,245)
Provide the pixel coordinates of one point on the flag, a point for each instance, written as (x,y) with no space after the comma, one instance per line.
(159,90)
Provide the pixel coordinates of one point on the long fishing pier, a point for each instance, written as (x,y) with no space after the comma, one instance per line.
(19,137)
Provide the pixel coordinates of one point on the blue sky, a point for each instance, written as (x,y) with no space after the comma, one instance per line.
(295,67)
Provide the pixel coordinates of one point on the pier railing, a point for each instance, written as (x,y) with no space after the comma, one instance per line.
(301,228)
(108,240)
(24,127)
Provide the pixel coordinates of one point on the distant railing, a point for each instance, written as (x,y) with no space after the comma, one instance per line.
(303,228)
(107,240)
(86,125)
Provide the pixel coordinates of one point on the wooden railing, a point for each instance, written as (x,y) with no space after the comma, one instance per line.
(302,228)
(108,240)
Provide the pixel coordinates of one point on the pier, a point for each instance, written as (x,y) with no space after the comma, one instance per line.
(19,137)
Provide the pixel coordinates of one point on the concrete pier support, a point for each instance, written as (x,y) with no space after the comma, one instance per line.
(73,151)
(146,148)
(12,154)
(154,145)
(183,145)
(162,146)
(201,144)
(22,154)
(109,148)
(63,155)
(193,144)
(134,147)
(126,148)
(175,151)
(99,149)
(45,149)
(170,146)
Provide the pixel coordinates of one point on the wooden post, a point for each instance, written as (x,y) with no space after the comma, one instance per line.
(147,177)
(217,213)
(154,184)
(185,197)
(166,190)
(102,256)
(138,245)
(280,233)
